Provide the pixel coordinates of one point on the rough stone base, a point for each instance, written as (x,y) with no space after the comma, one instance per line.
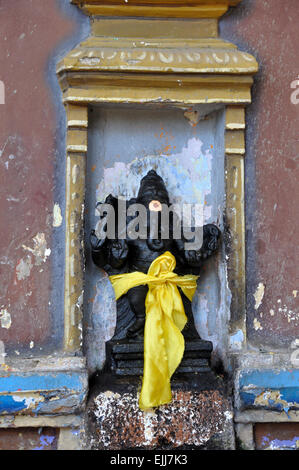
(199,416)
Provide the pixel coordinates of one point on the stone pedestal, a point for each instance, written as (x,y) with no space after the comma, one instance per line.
(199,416)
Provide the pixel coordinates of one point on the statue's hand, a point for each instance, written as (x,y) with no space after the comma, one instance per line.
(211,236)
(96,243)
(194,258)
(119,251)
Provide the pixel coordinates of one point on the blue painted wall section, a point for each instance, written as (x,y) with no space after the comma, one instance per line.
(62,392)
(269,389)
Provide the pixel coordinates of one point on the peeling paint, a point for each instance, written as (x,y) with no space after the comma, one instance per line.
(272,398)
(58,392)
(2,353)
(257,325)
(193,117)
(236,340)
(5,319)
(57,217)
(270,388)
(45,441)
(23,268)
(40,250)
(258,295)
(29,400)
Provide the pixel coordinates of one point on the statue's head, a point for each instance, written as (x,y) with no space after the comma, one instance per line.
(152,192)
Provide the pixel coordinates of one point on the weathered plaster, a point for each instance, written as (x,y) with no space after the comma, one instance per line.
(271,166)
(191,419)
(57,392)
(258,295)
(57,217)
(5,319)
(34,37)
(268,389)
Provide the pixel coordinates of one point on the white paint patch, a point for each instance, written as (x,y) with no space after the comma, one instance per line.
(23,268)
(258,295)
(228,415)
(5,319)
(57,217)
(236,340)
(29,401)
(75,173)
(12,199)
(40,250)
(2,353)
(295,292)
(31,344)
(149,422)
(257,325)
(272,313)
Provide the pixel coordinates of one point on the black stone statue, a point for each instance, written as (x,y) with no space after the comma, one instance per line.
(128,255)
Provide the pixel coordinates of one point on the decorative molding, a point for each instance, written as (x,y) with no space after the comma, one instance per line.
(75,193)
(156,9)
(217,57)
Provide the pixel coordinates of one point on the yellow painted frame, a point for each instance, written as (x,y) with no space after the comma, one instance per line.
(139,61)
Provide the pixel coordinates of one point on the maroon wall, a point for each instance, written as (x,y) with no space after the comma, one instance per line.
(269,30)
(30,32)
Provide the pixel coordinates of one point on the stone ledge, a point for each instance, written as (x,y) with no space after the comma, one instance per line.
(199,417)
(25,391)
(269,389)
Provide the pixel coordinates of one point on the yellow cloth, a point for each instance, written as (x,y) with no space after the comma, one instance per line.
(165,318)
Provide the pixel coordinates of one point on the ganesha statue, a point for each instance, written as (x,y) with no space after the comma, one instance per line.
(156,270)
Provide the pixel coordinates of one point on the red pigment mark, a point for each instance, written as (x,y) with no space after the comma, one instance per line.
(93,168)
(212,146)
(16,280)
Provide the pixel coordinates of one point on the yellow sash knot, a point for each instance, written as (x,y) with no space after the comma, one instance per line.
(165,319)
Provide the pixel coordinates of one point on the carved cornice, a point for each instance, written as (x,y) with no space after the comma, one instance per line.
(210,56)
(156,9)
(160,46)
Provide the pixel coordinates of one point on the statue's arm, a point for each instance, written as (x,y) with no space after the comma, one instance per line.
(99,250)
(195,258)
(107,252)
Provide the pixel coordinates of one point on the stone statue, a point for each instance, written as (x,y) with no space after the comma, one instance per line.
(127,255)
